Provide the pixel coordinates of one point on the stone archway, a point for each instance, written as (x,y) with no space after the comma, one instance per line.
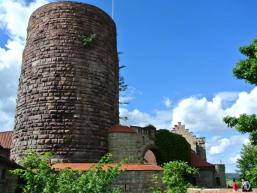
(149,157)
(150,154)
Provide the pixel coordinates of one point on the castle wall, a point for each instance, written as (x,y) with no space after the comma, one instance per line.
(220,174)
(132,145)
(197,144)
(68,92)
(191,139)
(137,181)
(205,178)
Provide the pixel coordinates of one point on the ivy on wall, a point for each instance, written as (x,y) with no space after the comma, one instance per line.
(171,147)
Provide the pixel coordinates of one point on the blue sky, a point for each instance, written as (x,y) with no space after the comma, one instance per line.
(179,56)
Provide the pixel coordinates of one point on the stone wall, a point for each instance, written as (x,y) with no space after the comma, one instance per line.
(137,181)
(68,92)
(220,175)
(205,178)
(133,145)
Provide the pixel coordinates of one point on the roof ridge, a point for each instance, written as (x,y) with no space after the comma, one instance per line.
(6,131)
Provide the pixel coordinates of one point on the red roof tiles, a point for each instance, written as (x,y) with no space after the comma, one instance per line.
(121,129)
(6,139)
(198,162)
(87,166)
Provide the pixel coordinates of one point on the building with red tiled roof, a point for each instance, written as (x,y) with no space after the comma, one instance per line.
(6,139)
(5,143)
(210,175)
(121,129)
(136,143)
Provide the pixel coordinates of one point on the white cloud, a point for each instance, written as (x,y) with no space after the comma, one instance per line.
(217,145)
(167,102)
(233,159)
(14,16)
(160,118)
(201,114)
(227,96)
(220,148)
(7,113)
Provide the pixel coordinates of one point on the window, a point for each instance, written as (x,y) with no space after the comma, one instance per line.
(218,181)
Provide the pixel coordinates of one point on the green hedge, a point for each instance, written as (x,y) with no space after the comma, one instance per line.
(171,147)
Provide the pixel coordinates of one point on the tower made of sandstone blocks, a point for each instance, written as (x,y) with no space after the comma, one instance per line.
(68,92)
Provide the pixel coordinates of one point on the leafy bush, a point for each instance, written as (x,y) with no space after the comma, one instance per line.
(174,177)
(39,177)
(171,147)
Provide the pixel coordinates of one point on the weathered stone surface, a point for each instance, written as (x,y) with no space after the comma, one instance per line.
(124,145)
(68,93)
(137,181)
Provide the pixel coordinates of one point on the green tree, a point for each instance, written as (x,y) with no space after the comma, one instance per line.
(247,70)
(244,124)
(174,177)
(39,177)
(248,163)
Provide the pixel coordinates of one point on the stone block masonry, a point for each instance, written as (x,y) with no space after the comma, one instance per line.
(135,178)
(68,92)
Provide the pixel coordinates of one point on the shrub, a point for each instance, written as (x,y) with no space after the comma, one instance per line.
(174,177)
(39,177)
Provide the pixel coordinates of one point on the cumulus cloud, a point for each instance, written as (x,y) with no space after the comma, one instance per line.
(14,16)
(201,114)
(217,145)
(159,118)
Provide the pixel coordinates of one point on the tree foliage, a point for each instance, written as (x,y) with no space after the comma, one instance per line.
(247,163)
(173,179)
(247,69)
(39,177)
(171,147)
(244,124)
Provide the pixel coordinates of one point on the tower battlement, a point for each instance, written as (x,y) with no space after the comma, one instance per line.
(197,143)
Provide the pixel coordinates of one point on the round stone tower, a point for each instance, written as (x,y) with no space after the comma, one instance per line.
(68,88)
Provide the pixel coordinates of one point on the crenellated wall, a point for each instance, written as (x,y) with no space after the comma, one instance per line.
(197,144)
